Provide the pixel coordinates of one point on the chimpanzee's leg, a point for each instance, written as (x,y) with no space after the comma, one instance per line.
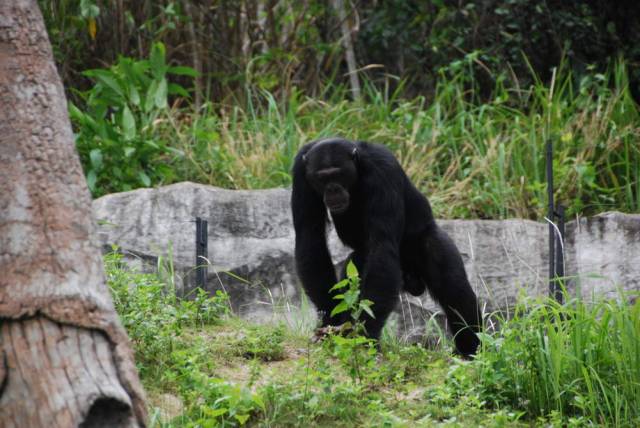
(381,284)
(444,273)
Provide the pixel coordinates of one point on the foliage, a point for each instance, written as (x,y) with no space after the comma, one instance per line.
(216,402)
(349,300)
(267,45)
(351,347)
(416,39)
(554,365)
(285,46)
(262,343)
(71,25)
(472,160)
(118,121)
(580,360)
(474,143)
(154,317)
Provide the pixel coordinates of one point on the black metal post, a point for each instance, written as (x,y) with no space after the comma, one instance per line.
(550,216)
(202,256)
(559,263)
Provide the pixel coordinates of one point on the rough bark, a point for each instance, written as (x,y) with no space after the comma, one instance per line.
(195,51)
(347,42)
(65,359)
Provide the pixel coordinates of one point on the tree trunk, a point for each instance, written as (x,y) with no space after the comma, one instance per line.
(347,42)
(65,359)
(195,49)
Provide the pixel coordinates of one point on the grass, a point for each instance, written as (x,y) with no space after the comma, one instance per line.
(473,159)
(581,360)
(551,365)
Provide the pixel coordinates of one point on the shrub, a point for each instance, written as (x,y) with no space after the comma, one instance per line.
(116,125)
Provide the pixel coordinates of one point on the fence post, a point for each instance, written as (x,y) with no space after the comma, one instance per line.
(556,243)
(559,263)
(550,216)
(202,257)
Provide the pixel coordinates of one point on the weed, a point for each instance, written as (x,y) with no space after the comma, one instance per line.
(118,125)
(355,351)
(555,365)
(580,359)
(473,159)
(262,343)
(155,318)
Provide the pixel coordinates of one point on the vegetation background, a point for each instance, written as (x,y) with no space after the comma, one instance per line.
(466,93)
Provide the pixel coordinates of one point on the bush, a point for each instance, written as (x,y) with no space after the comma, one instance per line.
(155,318)
(117,124)
(577,360)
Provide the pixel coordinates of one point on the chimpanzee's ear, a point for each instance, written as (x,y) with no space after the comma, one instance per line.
(354,154)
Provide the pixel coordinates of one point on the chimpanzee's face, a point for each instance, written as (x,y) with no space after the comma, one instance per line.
(331,170)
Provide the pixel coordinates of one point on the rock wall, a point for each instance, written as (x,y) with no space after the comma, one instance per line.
(251,243)
(603,252)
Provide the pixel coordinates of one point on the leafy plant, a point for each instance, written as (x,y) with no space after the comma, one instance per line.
(218,403)
(349,299)
(569,365)
(353,349)
(154,316)
(117,124)
(577,360)
(263,343)
(484,160)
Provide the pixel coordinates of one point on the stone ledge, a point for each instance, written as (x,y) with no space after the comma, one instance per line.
(251,235)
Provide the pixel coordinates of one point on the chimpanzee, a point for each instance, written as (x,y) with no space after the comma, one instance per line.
(388,224)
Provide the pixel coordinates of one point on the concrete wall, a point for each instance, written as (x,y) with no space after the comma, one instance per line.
(251,235)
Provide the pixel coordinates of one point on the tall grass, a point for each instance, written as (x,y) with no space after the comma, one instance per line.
(580,360)
(576,364)
(474,159)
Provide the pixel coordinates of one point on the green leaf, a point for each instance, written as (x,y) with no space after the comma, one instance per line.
(134,96)
(350,300)
(111,83)
(183,71)
(214,413)
(95,156)
(128,151)
(150,96)
(242,418)
(152,143)
(157,60)
(91,180)
(134,72)
(88,9)
(258,400)
(75,113)
(175,89)
(107,79)
(144,179)
(352,271)
(365,305)
(128,124)
(161,94)
(340,308)
(340,285)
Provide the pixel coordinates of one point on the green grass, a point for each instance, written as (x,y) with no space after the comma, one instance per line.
(473,159)
(549,365)
(581,360)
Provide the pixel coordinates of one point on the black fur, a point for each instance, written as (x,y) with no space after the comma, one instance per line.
(390,227)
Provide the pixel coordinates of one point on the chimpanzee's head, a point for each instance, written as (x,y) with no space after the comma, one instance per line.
(331,169)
